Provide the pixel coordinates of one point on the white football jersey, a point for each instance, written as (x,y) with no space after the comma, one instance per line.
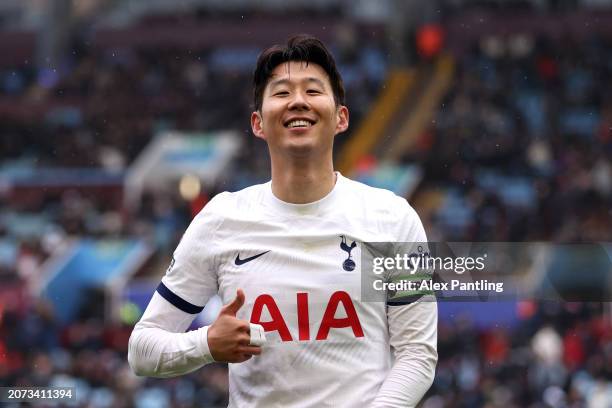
(299,267)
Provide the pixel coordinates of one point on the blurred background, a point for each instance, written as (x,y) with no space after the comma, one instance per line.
(120,119)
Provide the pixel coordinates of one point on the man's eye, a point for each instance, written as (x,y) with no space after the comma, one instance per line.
(313,91)
(281,93)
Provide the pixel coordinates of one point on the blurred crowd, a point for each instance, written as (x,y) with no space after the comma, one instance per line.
(559,356)
(101,105)
(521,150)
(522,146)
(90,356)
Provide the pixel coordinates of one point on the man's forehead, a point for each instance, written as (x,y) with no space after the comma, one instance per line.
(300,70)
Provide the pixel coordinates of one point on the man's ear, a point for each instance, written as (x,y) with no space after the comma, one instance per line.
(343,119)
(257,125)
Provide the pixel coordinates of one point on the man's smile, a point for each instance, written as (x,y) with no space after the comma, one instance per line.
(299,122)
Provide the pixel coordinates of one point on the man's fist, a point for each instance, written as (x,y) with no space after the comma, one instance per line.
(229,337)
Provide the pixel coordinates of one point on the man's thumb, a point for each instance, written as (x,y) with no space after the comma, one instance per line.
(235,305)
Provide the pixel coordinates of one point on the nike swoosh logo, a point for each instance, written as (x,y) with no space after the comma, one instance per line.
(239,261)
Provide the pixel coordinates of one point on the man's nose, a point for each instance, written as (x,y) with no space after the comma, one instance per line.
(299,101)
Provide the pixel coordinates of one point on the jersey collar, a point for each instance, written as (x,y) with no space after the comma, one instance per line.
(313,208)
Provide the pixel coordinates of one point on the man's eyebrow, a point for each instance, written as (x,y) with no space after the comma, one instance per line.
(285,81)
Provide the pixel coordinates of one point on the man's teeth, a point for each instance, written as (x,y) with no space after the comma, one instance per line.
(299,123)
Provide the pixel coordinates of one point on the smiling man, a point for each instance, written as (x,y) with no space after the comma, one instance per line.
(285,258)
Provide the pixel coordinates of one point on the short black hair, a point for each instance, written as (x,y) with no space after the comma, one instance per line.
(302,47)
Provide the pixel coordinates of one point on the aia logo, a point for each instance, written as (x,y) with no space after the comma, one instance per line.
(328,322)
(348,264)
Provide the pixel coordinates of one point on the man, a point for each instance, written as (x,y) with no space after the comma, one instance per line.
(285,255)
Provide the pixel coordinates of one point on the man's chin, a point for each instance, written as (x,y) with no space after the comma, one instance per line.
(301,148)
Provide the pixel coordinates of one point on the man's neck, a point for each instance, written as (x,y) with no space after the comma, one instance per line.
(301,183)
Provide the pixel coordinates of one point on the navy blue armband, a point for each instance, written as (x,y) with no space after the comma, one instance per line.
(406,300)
(177,301)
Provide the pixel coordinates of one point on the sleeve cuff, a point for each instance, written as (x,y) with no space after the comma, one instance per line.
(201,342)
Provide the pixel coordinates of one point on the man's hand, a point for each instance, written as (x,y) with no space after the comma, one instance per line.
(229,337)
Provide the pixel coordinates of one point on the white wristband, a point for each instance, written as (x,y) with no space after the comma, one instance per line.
(258,335)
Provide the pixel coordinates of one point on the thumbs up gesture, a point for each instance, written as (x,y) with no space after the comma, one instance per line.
(229,337)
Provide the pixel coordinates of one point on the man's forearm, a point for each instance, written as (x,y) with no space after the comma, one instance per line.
(410,378)
(413,336)
(159,347)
